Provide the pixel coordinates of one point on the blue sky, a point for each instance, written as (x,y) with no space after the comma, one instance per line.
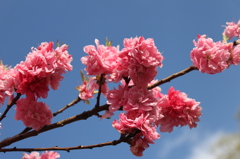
(172,24)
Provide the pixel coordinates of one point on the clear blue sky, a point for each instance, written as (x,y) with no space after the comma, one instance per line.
(172,24)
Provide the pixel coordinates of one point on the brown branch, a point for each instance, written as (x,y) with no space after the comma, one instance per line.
(10,106)
(56,148)
(237,42)
(168,79)
(75,101)
(100,83)
(82,116)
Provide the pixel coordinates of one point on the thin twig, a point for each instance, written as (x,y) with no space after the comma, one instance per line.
(100,83)
(10,106)
(75,101)
(56,148)
(168,79)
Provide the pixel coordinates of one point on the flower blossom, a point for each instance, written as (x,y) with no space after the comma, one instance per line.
(137,120)
(42,68)
(210,57)
(50,155)
(232,29)
(138,59)
(143,50)
(236,55)
(32,155)
(140,99)
(45,155)
(177,109)
(87,89)
(33,114)
(138,145)
(100,59)
(8,80)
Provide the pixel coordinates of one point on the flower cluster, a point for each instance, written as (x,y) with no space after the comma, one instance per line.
(43,68)
(45,155)
(33,114)
(232,29)
(7,82)
(144,110)
(214,57)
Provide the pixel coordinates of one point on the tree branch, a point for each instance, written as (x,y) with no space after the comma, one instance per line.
(169,78)
(75,101)
(82,116)
(56,148)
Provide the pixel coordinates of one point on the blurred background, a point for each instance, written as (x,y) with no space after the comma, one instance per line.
(172,24)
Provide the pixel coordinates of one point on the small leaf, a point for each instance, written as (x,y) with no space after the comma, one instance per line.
(82,76)
(87,102)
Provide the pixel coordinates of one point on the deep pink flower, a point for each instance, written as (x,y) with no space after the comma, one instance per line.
(177,109)
(32,155)
(50,155)
(210,57)
(33,114)
(232,29)
(8,80)
(101,59)
(42,68)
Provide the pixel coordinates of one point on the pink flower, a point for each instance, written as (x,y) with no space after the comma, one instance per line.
(32,155)
(101,59)
(138,145)
(117,97)
(140,99)
(137,119)
(140,74)
(8,80)
(236,55)
(63,59)
(210,57)
(50,155)
(232,30)
(144,51)
(177,109)
(156,91)
(87,89)
(33,114)
(46,155)
(42,68)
